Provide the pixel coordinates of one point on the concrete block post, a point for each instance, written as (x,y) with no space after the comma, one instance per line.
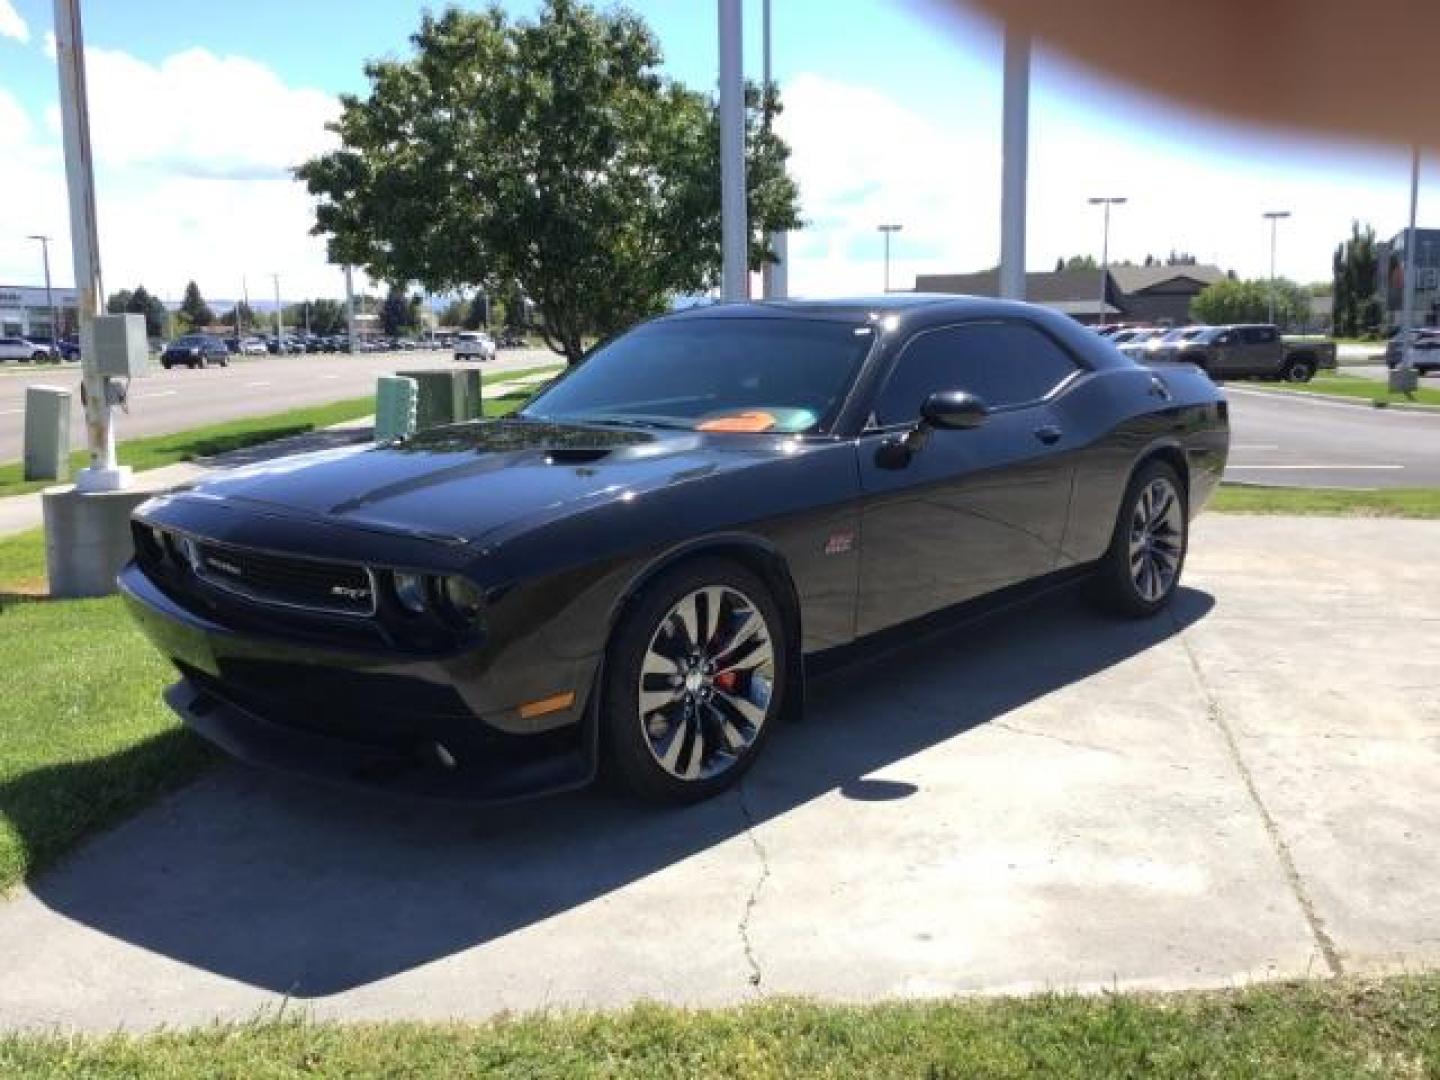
(395,398)
(47,433)
(445,396)
(87,538)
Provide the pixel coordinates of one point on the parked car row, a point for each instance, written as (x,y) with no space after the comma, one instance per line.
(1249,350)
(38,349)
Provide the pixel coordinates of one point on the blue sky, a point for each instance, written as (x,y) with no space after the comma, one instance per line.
(893,111)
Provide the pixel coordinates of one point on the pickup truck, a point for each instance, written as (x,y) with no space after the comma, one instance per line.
(474,345)
(1253,351)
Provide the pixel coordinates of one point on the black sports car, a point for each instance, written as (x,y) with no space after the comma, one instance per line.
(633,566)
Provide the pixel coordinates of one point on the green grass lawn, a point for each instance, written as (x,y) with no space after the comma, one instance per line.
(84,737)
(1385,502)
(1358,387)
(1316,1030)
(153,451)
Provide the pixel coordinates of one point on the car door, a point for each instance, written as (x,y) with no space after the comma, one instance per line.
(9,349)
(970,511)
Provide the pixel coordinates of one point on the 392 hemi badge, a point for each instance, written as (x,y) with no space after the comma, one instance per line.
(839,543)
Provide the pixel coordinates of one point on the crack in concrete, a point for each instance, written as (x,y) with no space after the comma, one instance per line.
(1216,715)
(1078,744)
(754,898)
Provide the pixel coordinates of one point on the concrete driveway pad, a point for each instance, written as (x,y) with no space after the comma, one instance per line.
(1242,789)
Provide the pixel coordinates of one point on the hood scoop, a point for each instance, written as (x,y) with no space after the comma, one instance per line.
(576,455)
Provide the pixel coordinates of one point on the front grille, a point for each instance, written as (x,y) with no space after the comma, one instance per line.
(282,580)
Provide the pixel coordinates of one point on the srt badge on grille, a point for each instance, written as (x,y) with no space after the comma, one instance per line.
(348,593)
(223,566)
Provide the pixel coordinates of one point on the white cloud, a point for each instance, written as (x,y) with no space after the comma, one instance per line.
(47,43)
(11,24)
(862,158)
(193,159)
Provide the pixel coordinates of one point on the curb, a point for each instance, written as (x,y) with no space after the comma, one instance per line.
(1361,403)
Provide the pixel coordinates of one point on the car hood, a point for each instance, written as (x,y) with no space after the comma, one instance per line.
(470,480)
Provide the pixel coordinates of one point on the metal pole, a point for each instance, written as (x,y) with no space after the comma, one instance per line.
(350,306)
(1015,139)
(886,230)
(775,277)
(279,320)
(734,232)
(1105,201)
(1274,216)
(49,294)
(1407,316)
(103,473)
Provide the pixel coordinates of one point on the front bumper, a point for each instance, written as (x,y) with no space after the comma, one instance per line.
(355,717)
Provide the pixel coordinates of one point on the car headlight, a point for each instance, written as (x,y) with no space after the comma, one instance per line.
(410,591)
(463,597)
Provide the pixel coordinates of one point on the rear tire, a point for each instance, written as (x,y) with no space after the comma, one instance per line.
(1298,371)
(709,704)
(1140,571)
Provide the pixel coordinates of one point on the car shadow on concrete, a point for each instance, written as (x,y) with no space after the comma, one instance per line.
(309,891)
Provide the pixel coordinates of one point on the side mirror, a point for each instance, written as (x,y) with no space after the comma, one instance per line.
(956,410)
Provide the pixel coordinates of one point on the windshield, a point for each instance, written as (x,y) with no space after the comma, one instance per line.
(725,374)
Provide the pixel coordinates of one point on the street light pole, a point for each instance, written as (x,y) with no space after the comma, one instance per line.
(734,230)
(1274,217)
(1402,377)
(1105,201)
(887,230)
(49,295)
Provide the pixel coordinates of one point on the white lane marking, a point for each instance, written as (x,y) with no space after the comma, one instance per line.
(1317,467)
(329,376)
(257,384)
(158,393)
(11,412)
(1253,446)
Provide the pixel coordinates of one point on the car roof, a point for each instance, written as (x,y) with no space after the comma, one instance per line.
(909,307)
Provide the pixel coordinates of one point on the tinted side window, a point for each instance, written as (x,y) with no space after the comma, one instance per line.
(1021,363)
(937,360)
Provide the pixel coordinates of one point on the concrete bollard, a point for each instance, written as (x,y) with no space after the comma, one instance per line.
(87,538)
(47,433)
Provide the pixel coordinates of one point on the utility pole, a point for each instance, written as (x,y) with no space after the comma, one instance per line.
(734,230)
(1402,376)
(245,290)
(279,319)
(350,306)
(775,277)
(103,474)
(1015,143)
(887,230)
(1106,201)
(1274,217)
(49,295)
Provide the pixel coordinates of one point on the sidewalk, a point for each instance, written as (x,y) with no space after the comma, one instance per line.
(1243,789)
(19,513)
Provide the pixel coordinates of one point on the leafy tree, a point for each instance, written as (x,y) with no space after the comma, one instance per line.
(1077,262)
(140,301)
(1358,310)
(248,319)
(396,313)
(455,313)
(1232,301)
(194,309)
(549,152)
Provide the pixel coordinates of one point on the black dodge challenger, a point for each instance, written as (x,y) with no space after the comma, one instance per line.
(634,566)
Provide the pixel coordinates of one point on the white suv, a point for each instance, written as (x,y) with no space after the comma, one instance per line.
(18,348)
(474,345)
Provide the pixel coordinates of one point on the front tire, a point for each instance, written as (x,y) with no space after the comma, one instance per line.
(695,680)
(1140,571)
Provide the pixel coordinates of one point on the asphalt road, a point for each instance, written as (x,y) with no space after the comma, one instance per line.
(166,401)
(1297,441)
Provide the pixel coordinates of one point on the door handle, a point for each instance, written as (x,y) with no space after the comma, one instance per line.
(1048,434)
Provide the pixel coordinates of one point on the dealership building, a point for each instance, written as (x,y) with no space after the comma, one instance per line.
(25,310)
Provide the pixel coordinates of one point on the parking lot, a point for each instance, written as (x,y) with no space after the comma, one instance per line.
(1051,799)
(166,401)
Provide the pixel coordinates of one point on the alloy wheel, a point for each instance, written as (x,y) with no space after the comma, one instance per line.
(705,683)
(1155,539)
